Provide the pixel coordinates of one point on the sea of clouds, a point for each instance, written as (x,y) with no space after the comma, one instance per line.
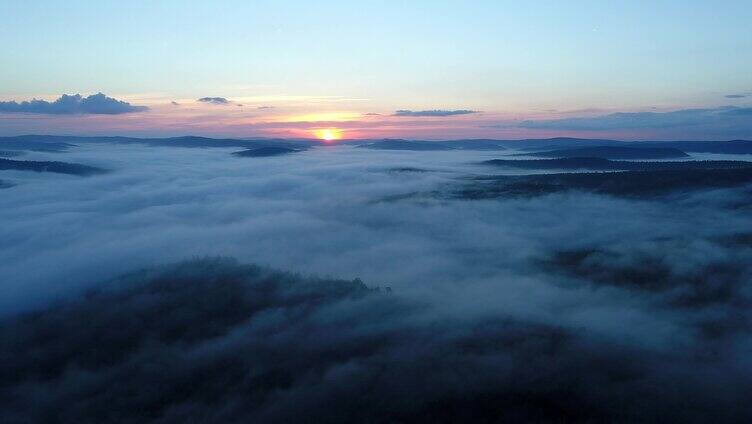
(570,305)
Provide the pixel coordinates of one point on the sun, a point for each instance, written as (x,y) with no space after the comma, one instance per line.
(328,134)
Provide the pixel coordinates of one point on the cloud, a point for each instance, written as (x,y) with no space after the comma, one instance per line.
(174,103)
(95,104)
(265,107)
(435,112)
(728,118)
(735,96)
(214,100)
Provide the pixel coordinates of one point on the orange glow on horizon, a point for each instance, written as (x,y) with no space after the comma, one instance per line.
(328,134)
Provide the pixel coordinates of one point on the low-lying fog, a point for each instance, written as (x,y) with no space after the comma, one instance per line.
(667,278)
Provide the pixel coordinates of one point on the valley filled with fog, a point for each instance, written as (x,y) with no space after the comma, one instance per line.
(417,267)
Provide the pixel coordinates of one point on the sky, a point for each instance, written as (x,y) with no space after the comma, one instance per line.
(370,69)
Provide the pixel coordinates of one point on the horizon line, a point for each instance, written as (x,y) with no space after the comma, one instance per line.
(346,140)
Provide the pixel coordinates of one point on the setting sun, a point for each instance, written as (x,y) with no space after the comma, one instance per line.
(328,134)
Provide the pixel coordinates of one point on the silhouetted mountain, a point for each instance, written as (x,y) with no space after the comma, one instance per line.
(475,144)
(43,142)
(728,147)
(60,143)
(215,142)
(738,147)
(625,184)
(265,152)
(44,166)
(35,143)
(482,144)
(599,164)
(614,152)
(559,143)
(564,143)
(406,145)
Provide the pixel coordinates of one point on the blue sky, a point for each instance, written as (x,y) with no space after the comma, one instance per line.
(508,60)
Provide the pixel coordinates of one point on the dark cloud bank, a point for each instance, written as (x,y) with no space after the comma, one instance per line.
(95,104)
(214,100)
(573,305)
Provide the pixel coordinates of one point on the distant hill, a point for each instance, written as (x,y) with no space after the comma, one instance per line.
(32,143)
(60,143)
(406,145)
(426,145)
(635,184)
(44,166)
(600,164)
(475,144)
(734,147)
(265,152)
(193,142)
(614,152)
(560,143)
(727,147)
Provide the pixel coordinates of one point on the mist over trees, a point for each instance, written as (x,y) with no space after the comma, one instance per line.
(213,340)
(372,285)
